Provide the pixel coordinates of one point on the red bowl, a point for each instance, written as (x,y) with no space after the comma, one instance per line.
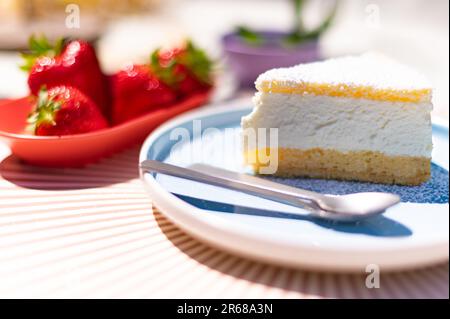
(80,149)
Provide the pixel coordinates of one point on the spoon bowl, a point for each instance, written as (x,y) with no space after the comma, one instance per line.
(358,204)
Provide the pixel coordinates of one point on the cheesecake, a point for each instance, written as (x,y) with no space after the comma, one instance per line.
(363,118)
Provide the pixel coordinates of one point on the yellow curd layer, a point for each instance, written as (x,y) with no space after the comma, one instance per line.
(345,90)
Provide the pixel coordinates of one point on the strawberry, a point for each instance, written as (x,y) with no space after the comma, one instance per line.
(136,91)
(65,110)
(73,63)
(187,70)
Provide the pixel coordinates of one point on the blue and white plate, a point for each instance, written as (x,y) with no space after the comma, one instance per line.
(413,233)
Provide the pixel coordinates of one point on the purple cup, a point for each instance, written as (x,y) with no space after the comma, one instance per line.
(248,61)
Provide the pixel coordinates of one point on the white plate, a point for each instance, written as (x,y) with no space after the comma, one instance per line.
(412,234)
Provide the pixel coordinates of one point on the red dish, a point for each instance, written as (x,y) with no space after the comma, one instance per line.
(80,149)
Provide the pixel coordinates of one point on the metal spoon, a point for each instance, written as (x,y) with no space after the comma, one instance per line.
(352,207)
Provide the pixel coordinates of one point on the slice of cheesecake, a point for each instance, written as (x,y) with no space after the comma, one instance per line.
(363,118)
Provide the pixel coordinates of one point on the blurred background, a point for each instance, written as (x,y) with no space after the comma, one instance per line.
(415,32)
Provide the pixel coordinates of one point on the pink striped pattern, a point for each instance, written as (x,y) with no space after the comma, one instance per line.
(93,232)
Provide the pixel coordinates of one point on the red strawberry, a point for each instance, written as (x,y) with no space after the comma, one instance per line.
(188,69)
(74,64)
(65,110)
(136,91)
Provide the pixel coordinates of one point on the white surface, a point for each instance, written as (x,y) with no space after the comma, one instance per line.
(13,81)
(307,121)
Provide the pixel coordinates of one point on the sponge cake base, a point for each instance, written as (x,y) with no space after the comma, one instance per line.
(353,165)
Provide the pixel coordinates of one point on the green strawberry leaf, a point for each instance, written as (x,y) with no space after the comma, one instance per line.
(40,46)
(164,72)
(193,58)
(198,62)
(44,113)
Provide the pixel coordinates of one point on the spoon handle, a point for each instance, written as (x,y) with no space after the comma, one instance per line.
(241,182)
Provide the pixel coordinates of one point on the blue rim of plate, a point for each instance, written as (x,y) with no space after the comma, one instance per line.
(217,231)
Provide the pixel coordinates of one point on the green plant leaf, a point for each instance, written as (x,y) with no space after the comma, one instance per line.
(298,10)
(299,36)
(249,36)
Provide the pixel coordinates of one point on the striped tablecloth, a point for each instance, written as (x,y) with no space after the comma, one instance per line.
(93,232)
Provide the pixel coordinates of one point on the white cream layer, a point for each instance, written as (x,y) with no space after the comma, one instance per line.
(344,124)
